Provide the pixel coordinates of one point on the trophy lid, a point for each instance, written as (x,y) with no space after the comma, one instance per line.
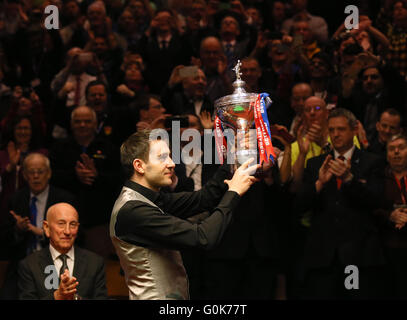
(240,95)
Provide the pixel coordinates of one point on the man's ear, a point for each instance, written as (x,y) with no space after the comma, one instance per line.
(45,226)
(139,166)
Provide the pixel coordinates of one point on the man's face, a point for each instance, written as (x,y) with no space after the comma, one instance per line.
(137,7)
(96,16)
(372,81)
(83,124)
(399,13)
(196,86)
(210,54)
(302,28)
(23,132)
(251,72)
(71,9)
(278,11)
(299,94)
(255,15)
(397,154)
(37,174)
(97,98)
(341,133)
(276,52)
(387,126)
(160,166)
(299,5)
(314,112)
(164,21)
(319,68)
(62,228)
(229,25)
(155,109)
(100,45)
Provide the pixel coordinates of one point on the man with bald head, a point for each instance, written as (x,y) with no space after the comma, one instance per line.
(88,166)
(22,231)
(80,272)
(214,64)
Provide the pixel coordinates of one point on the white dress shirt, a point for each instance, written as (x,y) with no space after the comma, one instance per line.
(58,262)
(348,154)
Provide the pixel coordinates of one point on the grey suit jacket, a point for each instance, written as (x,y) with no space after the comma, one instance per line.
(89,270)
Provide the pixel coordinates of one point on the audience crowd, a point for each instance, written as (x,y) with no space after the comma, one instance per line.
(69,97)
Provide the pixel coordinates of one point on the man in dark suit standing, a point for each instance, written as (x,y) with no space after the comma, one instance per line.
(81,272)
(342,187)
(22,231)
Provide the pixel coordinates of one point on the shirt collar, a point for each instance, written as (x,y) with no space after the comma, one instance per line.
(148,193)
(41,196)
(348,154)
(232,43)
(167,38)
(55,253)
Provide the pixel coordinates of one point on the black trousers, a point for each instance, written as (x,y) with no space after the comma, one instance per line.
(329,283)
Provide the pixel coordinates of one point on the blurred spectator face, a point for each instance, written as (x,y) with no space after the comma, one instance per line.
(133,78)
(137,8)
(24,106)
(211,51)
(397,154)
(83,123)
(71,10)
(314,111)
(154,111)
(23,132)
(302,28)
(299,94)
(372,81)
(195,86)
(387,126)
(97,98)
(278,12)
(193,123)
(276,52)
(399,13)
(198,10)
(127,21)
(251,72)
(299,5)
(229,25)
(100,46)
(133,59)
(61,226)
(341,133)
(319,68)
(164,21)
(257,19)
(37,174)
(96,15)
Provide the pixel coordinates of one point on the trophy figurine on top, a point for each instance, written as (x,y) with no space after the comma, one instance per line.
(239,112)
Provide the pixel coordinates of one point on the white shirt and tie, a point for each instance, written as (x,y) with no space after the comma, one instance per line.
(58,262)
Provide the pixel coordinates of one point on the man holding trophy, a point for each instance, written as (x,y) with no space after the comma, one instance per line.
(148,227)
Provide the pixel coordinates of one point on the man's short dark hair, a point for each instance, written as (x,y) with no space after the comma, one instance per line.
(340,112)
(396,137)
(137,146)
(391,111)
(95,83)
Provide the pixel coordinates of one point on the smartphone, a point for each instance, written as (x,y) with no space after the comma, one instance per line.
(298,40)
(188,72)
(184,122)
(282,133)
(85,57)
(397,206)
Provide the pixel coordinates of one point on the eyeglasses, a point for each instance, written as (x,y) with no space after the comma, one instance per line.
(34,172)
(309,109)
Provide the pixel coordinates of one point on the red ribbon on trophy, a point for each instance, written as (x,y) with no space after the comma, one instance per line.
(220,141)
(266,149)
